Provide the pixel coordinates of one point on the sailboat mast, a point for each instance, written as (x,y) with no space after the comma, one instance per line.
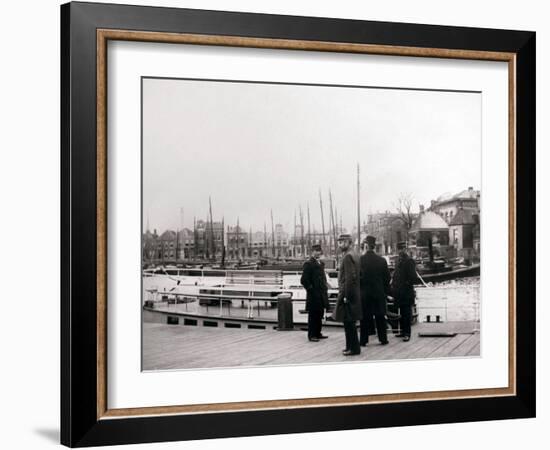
(302,231)
(249,246)
(333,224)
(308,231)
(272,234)
(213,241)
(358,211)
(195,238)
(322,218)
(294,239)
(206,251)
(238,252)
(223,241)
(265,240)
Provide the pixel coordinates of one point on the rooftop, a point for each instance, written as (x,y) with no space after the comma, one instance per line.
(429,221)
(467,194)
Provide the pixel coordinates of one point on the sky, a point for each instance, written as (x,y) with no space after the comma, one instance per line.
(256,147)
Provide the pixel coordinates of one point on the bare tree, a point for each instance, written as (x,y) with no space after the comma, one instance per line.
(403,207)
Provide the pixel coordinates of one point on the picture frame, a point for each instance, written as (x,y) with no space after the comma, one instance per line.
(86,419)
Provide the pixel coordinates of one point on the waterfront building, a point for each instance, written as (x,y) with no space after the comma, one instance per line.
(237,243)
(389,229)
(258,244)
(429,230)
(448,205)
(279,243)
(149,245)
(185,244)
(464,233)
(166,246)
(209,238)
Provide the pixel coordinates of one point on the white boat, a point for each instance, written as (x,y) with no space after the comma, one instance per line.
(233,287)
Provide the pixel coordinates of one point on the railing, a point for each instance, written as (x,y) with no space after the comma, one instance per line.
(254,277)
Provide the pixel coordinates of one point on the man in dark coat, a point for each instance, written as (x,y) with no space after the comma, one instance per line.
(402,288)
(375,287)
(314,280)
(348,305)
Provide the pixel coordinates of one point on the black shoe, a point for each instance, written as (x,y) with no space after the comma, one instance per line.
(345,350)
(406,338)
(351,353)
(363,344)
(322,336)
(400,335)
(384,342)
(313,339)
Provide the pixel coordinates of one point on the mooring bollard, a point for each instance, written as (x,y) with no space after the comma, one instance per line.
(284,312)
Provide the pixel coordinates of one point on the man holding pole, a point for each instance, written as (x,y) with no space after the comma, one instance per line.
(348,305)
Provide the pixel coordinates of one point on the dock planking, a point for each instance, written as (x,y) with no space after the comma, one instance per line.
(168,347)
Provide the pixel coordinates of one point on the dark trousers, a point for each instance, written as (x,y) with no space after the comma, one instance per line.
(314,323)
(367,328)
(406,317)
(352,341)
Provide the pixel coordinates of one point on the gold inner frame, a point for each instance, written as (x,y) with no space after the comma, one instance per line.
(104,35)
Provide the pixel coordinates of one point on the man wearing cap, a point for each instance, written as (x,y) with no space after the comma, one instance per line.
(375,287)
(314,280)
(402,288)
(348,305)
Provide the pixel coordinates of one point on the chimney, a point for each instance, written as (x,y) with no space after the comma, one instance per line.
(421,209)
(470,188)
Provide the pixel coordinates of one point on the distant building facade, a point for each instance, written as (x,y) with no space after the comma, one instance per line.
(237,243)
(447,205)
(461,212)
(388,228)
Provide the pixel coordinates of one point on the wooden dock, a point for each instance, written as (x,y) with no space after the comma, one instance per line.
(183,347)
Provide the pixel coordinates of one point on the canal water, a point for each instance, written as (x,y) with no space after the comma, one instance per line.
(451,301)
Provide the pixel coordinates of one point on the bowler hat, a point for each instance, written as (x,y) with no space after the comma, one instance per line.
(344,237)
(316,247)
(369,240)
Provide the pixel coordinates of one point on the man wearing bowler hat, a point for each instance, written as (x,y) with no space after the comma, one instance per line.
(348,305)
(314,280)
(402,288)
(375,287)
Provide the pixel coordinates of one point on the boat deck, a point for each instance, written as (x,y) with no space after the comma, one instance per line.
(182,347)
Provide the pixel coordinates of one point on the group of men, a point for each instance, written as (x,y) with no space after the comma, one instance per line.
(364,284)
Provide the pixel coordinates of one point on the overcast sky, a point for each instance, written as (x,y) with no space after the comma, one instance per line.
(255,147)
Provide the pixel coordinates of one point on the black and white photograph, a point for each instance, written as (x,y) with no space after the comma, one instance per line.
(296,224)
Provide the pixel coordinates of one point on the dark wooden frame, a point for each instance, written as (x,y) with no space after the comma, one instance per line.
(85,28)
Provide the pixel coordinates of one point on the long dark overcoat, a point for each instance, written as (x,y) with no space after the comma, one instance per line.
(348,287)
(375,283)
(403,280)
(314,280)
